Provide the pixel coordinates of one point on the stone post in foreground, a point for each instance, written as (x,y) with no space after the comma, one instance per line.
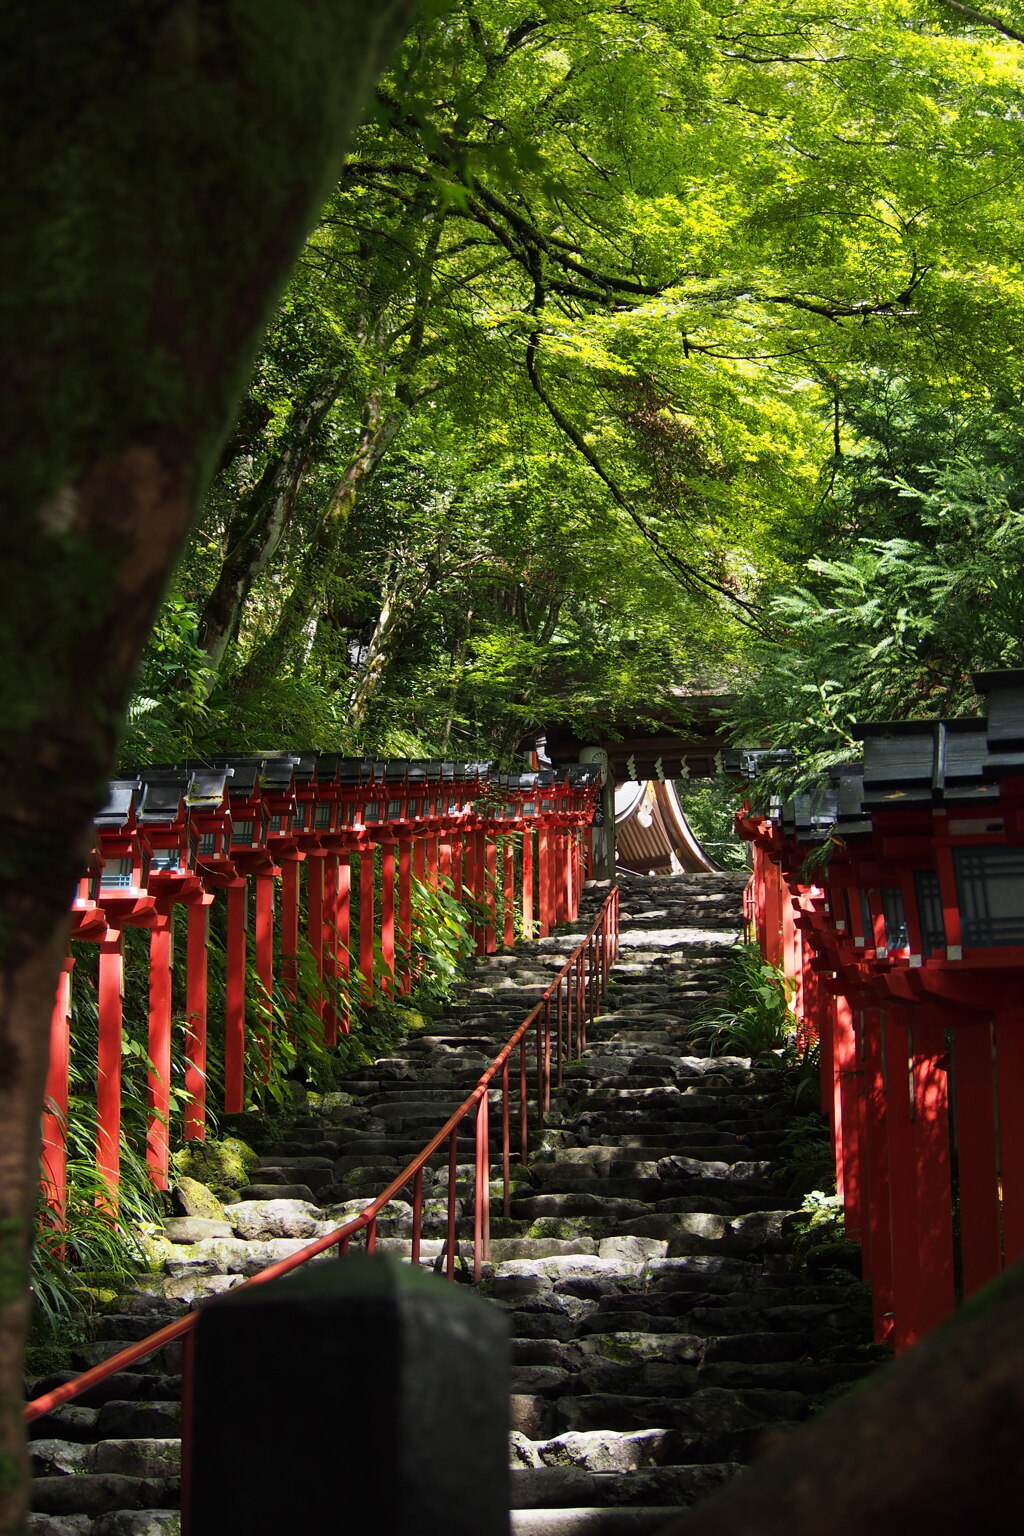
(353,1394)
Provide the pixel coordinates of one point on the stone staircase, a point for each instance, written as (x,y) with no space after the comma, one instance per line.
(662,1328)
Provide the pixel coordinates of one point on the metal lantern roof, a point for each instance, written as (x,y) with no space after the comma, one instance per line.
(206,788)
(161,796)
(120,804)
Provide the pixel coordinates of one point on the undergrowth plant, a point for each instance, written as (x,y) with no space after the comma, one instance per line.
(78,1266)
(75,1266)
(756,1018)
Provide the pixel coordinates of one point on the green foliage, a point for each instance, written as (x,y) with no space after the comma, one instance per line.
(285,1053)
(710,807)
(582,365)
(75,1267)
(441,943)
(891,624)
(756,1019)
(807,1160)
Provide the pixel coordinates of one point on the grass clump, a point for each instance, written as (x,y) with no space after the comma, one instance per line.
(756,1019)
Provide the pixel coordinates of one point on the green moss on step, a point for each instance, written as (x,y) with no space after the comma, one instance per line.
(224,1166)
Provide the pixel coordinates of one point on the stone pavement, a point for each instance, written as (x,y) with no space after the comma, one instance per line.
(662,1326)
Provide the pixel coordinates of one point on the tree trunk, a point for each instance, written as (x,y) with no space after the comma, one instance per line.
(395,609)
(163,163)
(382,418)
(262,522)
(283,644)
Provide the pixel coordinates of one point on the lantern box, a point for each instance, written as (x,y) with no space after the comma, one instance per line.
(122,889)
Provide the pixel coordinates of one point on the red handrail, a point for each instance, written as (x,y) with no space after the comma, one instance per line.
(584,976)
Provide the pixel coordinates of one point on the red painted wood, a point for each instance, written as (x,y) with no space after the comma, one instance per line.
(480,888)
(826,1024)
(902,1181)
(366,922)
(527,883)
(196,989)
(315,922)
(234,1000)
(543,884)
(936,1295)
(405,914)
(343,930)
(508,892)
(444,867)
(556,851)
(1009,1033)
(330,944)
(458,856)
(760,878)
(773,948)
(158,1092)
(419,860)
(264,955)
(387,914)
(290,928)
(433,862)
(491,886)
(108,1061)
(791,959)
(977,1168)
(55,1114)
(848,1083)
(877,1234)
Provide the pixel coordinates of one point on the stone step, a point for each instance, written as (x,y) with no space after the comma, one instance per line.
(591,1521)
(661,1327)
(142,1458)
(547,1487)
(101,1493)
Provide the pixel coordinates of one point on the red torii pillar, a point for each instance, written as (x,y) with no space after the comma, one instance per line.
(340,940)
(108,1060)
(387,914)
(196,993)
(543,883)
(330,945)
(366,921)
(158,1146)
(264,955)
(490,891)
(977,1162)
(315,880)
(508,891)
(290,924)
(936,1297)
(458,860)
(234,996)
(55,1113)
(527,878)
(876,1234)
(405,914)
(1009,1040)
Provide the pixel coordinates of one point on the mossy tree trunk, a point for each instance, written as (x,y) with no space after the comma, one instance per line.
(163,161)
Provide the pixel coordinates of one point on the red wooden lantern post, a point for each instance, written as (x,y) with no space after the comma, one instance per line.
(55,1113)
(207,803)
(124,899)
(172,840)
(278,774)
(249,854)
(543,881)
(405,847)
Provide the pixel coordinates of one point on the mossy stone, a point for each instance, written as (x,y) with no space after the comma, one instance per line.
(223,1166)
(194,1199)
